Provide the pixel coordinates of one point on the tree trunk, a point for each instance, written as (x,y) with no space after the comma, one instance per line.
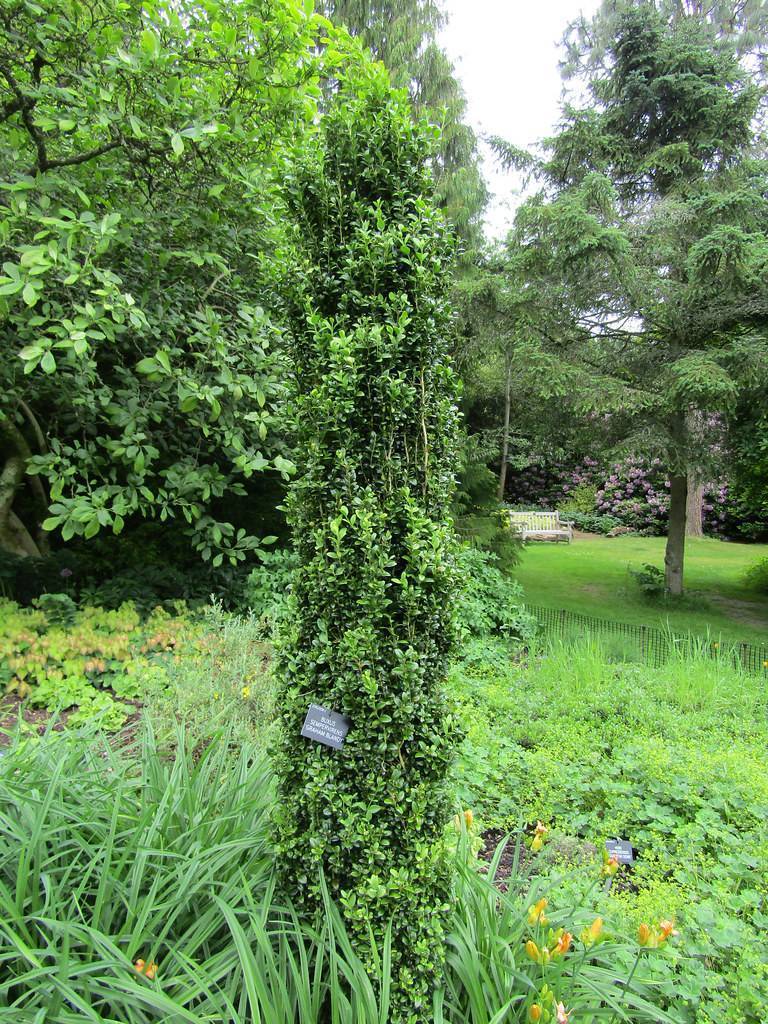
(694,516)
(505,431)
(14,536)
(21,538)
(675,552)
(694,508)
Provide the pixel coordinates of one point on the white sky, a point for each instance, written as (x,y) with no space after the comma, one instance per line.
(506,55)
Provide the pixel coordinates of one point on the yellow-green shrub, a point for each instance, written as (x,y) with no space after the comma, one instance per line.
(60,661)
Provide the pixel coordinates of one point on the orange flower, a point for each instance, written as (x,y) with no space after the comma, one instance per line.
(536,912)
(149,970)
(538,836)
(589,936)
(562,1015)
(652,938)
(535,1012)
(610,865)
(468,820)
(539,956)
(563,944)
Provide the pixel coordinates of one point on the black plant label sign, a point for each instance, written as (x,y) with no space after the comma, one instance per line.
(324,726)
(621,849)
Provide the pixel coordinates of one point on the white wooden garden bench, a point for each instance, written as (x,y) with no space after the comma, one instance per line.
(540,525)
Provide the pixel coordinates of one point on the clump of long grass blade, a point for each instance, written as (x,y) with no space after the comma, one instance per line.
(139,888)
(108,857)
(490,979)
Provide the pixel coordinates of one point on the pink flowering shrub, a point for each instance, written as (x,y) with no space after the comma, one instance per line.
(637,493)
(550,482)
(633,491)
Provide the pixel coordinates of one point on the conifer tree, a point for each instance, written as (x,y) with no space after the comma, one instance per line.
(648,242)
(371,627)
(741,25)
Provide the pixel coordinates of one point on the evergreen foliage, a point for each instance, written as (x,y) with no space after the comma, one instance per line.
(371,621)
(748,448)
(740,24)
(513,384)
(647,247)
(402,34)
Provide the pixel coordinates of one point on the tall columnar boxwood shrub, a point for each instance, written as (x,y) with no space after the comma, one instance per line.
(370,627)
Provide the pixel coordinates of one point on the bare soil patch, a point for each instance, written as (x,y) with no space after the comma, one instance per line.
(40,720)
(751,613)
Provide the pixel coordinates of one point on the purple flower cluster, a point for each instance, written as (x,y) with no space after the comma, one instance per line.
(632,490)
(636,493)
(716,508)
(548,483)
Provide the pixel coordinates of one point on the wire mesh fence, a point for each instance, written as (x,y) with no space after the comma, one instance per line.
(648,644)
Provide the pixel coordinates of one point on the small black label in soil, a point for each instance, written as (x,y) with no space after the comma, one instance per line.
(621,849)
(324,726)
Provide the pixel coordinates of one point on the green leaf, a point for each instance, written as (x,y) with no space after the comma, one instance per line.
(177,144)
(48,362)
(284,466)
(162,358)
(29,294)
(150,44)
(91,529)
(33,256)
(147,365)
(30,352)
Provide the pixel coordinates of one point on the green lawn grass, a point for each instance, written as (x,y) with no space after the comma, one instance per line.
(591,576)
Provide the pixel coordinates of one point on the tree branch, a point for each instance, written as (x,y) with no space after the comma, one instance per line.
(34,424)
(27,104)
(14,436)
(24,105)
(10,108)
(81,158)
